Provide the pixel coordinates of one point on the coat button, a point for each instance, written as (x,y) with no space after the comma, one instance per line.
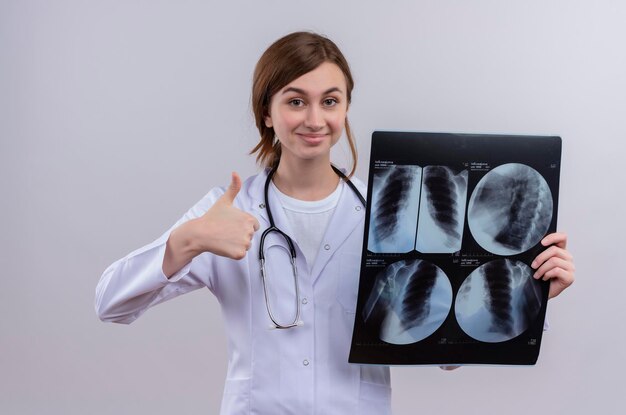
(305,362)
(262,205)
(305,301)
(357,208)
(327,247)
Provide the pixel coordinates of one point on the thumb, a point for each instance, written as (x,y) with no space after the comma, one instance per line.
(233,188)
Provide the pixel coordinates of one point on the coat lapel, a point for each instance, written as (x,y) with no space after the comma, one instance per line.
(348,215)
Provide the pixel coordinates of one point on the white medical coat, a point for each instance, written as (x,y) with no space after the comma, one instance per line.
(302,370)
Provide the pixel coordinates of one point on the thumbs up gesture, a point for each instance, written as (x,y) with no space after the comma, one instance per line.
(224,229)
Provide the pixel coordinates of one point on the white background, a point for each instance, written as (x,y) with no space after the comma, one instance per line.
(116,116)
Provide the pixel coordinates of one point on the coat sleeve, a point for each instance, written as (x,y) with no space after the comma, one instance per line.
(132,284)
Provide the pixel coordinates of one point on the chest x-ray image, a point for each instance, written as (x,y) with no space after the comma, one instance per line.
(395,202)
(453,222)
(415,208)
(498,301)
(510,209)
(444,196)
(409,301)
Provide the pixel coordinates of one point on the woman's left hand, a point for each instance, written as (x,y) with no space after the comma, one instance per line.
(555,264)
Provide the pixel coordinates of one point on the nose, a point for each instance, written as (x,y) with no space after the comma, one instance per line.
(314,118)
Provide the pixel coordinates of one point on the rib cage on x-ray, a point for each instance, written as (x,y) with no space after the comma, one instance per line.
(409,301)
(442,210)
(498,301)
(395,199)
(510,209)
(415,306)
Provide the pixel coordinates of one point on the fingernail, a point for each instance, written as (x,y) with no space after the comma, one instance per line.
(534,264)
(536,275)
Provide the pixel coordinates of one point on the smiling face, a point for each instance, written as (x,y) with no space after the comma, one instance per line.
(308,115)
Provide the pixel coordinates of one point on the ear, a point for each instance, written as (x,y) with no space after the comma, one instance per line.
(268,121)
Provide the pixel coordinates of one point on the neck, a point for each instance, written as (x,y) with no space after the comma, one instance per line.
(306,181)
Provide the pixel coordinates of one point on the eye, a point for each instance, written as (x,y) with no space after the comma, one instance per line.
(329,102)
(296,102)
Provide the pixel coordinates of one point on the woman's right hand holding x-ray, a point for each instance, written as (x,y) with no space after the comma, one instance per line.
(223,230)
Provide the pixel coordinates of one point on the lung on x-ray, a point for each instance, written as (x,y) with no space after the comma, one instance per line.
(453,223)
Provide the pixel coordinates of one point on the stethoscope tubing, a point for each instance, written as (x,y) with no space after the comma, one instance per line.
(292,250)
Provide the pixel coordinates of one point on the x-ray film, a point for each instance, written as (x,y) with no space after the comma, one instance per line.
(453,223)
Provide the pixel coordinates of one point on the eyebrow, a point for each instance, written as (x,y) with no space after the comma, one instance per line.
(302,92)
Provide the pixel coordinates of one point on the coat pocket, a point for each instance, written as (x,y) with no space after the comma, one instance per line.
(236,399)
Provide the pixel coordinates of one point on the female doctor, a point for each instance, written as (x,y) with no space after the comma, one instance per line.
(301,93)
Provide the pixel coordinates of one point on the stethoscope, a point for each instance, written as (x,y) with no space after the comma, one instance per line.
(292,251)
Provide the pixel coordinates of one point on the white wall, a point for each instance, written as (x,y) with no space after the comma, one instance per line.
(116,116)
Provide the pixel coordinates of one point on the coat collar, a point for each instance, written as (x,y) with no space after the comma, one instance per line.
(258,204)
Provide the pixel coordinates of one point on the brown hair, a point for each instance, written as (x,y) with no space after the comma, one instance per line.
(287,59)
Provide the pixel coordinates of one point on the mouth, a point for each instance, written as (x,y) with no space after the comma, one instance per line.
(312,138)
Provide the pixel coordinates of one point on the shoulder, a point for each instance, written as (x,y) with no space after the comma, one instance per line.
(361,187)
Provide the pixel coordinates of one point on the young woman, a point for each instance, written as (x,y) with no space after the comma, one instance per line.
(301,95)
